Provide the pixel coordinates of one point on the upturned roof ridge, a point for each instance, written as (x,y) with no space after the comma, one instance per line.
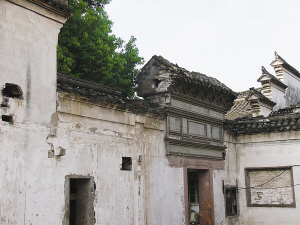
(286,65)
(260,96)
(272,78)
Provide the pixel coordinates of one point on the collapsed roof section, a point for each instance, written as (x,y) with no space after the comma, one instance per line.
(162,71)
(159,76)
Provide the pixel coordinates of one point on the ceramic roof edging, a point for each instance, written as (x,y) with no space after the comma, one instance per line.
(288,119)
(96,93)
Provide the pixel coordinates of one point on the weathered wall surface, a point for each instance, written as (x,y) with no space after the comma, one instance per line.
(292,93)
(264,110)
(260,151)
(228,177)
(27,59)
(25,173)
(95,140)
(278,97)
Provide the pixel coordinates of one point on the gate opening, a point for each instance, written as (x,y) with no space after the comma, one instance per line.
(79,201)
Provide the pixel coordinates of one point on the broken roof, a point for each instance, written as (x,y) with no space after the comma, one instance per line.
(179,73)
(282,120)
(103,95)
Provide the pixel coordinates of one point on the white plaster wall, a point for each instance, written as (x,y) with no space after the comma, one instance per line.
(278,97)
(292,93)
(24,174)
(28,184)
(152,193)
(268,150)
(28,57)
(219,203)
(264,111)
(228,176)
(34,187)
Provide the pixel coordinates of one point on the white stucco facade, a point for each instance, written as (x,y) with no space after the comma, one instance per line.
(96,139)
(49,137)
(269,150)
(28,38)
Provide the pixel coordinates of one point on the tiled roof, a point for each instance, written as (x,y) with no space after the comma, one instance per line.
(283,120)
(271,77)
(288,110)
(194,77)
(286,65)
(96,93)
(242,107)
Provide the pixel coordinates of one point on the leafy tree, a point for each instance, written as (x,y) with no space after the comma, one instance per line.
(87,49)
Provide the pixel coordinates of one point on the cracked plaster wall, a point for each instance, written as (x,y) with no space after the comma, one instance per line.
(292,93)
(265,150)
(96,139)
(28,59)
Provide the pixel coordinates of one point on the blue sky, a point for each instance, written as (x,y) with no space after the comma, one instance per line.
(226,39)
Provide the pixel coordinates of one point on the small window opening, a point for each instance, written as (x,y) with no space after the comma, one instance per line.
(157,81)
(231,201)
(8,119)
(223,155)
(12,91)
(126,163)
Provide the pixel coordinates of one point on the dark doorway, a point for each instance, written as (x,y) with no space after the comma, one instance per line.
(79,199)
(199,197)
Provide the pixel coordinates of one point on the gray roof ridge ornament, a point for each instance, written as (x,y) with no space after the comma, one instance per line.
(271,77)
(260,96)
(285,65)
(264,70)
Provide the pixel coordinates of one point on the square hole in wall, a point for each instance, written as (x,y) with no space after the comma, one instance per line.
(126,163)
(8,119)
